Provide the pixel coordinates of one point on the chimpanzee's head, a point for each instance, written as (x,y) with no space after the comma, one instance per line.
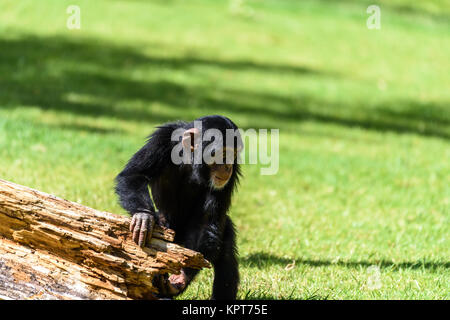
(215,143)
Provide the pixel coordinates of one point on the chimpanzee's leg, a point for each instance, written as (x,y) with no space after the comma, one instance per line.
(224,261)
(175,284)
(226,269)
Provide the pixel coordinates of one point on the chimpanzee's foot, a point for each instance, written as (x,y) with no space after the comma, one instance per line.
(170,286)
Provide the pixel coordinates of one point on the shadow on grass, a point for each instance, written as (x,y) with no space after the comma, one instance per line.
(96,79)
(401,7)
(265,295)
(263,259)
(85,128)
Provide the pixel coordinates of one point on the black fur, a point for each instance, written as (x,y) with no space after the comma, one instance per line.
(185,201)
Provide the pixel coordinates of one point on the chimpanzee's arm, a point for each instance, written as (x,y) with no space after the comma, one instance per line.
(133,192)
(132,183)
(134,196)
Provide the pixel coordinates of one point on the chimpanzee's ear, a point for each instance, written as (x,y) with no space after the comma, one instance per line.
(191,138)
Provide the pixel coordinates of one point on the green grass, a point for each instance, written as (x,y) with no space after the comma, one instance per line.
(364,119)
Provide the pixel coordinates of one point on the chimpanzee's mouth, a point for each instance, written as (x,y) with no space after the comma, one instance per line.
(220,179)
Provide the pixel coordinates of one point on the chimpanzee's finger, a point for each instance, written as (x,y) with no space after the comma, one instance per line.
(150,225)
(133,223)
(143,230)
(137,228)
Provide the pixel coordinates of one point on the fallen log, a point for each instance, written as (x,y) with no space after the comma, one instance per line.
(52,248)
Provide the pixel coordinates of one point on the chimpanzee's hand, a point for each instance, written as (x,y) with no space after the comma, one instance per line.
(141,227)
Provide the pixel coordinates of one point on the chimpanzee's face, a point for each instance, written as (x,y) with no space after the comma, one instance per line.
(218,156)
(222,170)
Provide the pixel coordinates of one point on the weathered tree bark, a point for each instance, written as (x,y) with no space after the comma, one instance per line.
(52,248)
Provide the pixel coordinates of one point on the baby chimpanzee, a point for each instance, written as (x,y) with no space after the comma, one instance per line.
(192,169)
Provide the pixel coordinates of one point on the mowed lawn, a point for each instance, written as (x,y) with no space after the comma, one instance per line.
(360,206)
